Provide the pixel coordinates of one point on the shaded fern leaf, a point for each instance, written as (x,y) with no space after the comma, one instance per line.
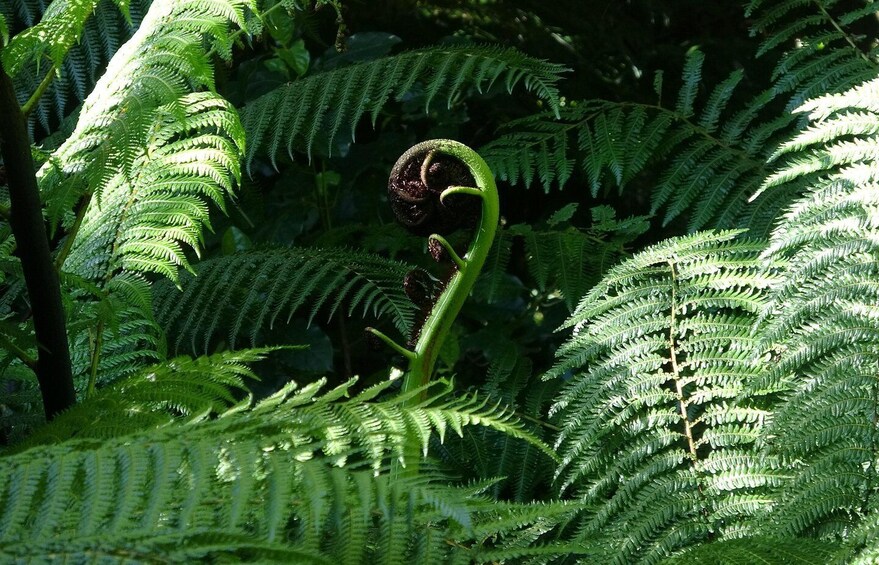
(175,391)
(568,261)
(860,547)
(59,29)
(248,291)
(112,24)
(292,116)
(200,544)
(654,434)
(523,472)
(823,322)
(710,164)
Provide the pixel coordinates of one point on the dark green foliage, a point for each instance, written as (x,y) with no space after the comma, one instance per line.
(253,289)
(711,398)
(292,116)
(253,472)
(709,162)
(800,551)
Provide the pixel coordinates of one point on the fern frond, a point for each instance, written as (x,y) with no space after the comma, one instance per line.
(822,318)
(821,51)
(174,391)
(291,117)
(152,152)
(186,157)
(256,472)
(248,291)
(745,551)
(710,165)
(59,29)
(102,35)
(654,434)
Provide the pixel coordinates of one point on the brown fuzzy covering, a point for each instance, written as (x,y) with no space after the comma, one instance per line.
(418,207)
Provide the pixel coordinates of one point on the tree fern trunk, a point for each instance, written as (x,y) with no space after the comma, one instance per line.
(53,357)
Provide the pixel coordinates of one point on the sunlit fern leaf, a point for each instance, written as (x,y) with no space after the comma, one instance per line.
(101,36)
(151,207)
(259,472)
(59,29)
(291,116)
(822,52)
(823,323)
(151,151)
(750,550)
(174,391)
(248,292)
(654,434)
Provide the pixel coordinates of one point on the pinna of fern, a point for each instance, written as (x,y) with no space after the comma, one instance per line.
(655,435)
(822,317)
(711,161)
(824,49)
(258,472)
(278,283)
(293,116)
(148,152)
(73,69)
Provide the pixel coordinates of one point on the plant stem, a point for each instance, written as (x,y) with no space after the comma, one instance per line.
(439,321)
(38,93)
(74,229)
(53,368)
(22,355)
(96,359)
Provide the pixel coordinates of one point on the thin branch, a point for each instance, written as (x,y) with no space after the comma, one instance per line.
(20,353)
(74,229)
(38,93)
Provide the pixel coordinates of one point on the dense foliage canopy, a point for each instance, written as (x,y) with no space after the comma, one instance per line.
(647,331)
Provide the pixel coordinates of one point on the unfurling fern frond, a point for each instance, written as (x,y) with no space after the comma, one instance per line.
(291,117)
(654,434)
(712,162)
(152,151)
(823,318)
(258,472)
(247,292)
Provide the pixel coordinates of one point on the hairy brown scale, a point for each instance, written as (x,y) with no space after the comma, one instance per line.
(417,205)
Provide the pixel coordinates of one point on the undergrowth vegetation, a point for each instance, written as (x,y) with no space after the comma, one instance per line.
(226,336)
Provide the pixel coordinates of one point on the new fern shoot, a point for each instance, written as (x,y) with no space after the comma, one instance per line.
(434,188)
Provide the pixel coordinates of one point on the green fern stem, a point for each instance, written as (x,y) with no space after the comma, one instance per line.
(438,323)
